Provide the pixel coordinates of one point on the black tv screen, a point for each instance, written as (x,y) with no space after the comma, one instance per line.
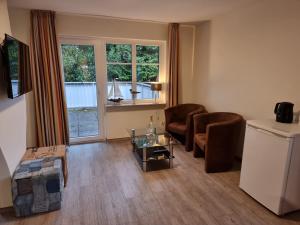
(18,67)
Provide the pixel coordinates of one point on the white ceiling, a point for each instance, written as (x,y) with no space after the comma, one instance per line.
(153,10)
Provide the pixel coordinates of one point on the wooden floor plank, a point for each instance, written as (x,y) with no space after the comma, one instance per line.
(107,187)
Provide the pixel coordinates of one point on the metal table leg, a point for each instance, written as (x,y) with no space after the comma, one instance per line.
(145,159)
(171,152)
(133,139)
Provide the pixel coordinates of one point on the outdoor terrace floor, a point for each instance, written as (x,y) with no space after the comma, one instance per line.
(83,122)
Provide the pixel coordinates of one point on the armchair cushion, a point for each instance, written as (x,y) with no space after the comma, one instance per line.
(200,140)
(177,127)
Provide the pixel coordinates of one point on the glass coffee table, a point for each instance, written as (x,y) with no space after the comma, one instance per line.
(149,148)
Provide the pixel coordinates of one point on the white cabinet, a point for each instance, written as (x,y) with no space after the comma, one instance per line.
(271,165)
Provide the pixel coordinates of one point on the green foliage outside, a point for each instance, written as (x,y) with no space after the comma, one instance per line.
(121,72)
(121,53)
(79,64)
(147,54)
(147,73)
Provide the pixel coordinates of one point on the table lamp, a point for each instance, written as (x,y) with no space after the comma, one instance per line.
(156,87)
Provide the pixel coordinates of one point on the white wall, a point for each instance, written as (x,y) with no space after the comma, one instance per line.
(89,26)
(186,65)
(248,59)
(119,123)
(20,26)
(77,25)
(12,125)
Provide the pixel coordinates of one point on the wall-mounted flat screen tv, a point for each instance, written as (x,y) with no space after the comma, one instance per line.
(17,61)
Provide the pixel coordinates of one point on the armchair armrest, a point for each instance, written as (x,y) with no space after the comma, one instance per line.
(169,115)
(189,136)
(190,119)
(190,116)
(206,119)
(221,137)
(200,122)
(219,129)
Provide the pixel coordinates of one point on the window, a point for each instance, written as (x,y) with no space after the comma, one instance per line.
(147,69)
(119,68)
(132,66)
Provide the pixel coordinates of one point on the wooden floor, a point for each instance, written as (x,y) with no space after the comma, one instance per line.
(106,186)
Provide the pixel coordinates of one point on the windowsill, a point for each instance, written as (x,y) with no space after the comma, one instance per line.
(134,106)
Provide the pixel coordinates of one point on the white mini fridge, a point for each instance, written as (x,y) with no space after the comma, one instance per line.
(271,165)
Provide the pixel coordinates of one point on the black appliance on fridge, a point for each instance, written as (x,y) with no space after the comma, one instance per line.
(284,112)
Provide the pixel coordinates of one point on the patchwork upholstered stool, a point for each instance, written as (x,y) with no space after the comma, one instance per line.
(37,186)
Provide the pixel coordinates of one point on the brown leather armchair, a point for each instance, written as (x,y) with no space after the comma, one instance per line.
(179,122)
(218,137)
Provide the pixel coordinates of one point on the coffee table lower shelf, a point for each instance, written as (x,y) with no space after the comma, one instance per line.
(149,157)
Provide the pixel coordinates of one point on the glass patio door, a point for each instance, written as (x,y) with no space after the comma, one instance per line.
(81,90)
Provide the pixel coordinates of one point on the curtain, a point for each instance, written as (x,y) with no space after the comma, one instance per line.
(173,52)
(47,81)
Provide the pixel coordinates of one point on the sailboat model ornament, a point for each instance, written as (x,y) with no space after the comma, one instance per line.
(115,92)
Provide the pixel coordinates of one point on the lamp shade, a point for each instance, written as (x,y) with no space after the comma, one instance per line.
(156,86)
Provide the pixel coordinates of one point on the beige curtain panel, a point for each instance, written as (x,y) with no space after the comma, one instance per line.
(173,52)
(50,104)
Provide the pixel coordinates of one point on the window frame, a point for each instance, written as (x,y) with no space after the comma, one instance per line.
(162,67)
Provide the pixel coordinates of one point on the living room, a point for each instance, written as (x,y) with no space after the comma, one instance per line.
(238,57)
